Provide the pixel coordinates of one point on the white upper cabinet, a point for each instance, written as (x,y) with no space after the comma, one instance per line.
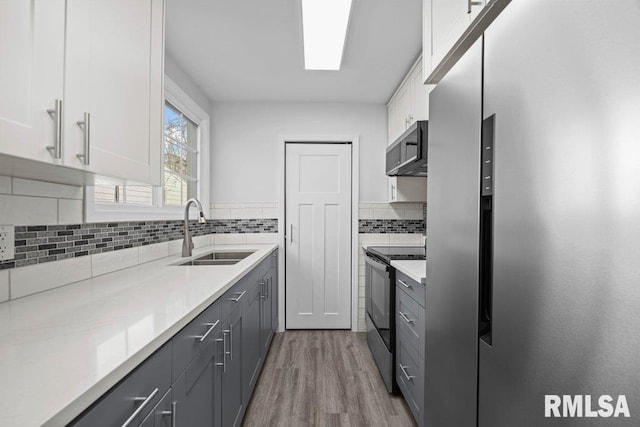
(420,95)
(450,27)
(31,76)
(449,20)
(409,103)
(404,103)
(406,189)
(102,60)
(113,79)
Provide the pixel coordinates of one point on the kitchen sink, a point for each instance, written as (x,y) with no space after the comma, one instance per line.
(219,258)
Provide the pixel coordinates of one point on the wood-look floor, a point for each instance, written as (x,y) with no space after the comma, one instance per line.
(323,378)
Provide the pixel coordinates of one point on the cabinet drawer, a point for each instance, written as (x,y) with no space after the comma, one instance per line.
(414,289)
(233,298)
(188,343)
(410,321)
(149,381)
(240,291)
(410,377)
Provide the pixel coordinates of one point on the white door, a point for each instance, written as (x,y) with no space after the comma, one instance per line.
(113,72)
(318,245)
(31,75)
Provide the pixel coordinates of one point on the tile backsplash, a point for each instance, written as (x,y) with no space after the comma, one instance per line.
(29,202)
(37,244)
(386,218)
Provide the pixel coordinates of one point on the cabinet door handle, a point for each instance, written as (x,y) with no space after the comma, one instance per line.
(145,401)
(56,114)
(403,283)
(404,371)
(224,351)
(291,234)
(172,412)
(241,294)
(85,125)
(471,3)
(263,293)
(405,318)
(211,327)
(230,342)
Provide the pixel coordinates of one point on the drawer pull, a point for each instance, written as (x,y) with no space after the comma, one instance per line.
(404,371)
(403,283)
(405,318)
(145,401)
(206,334)
(172,413)
(239,296)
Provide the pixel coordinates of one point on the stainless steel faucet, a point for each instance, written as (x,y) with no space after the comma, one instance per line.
(187,243)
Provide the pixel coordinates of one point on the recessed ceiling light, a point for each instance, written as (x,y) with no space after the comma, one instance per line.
(324,27)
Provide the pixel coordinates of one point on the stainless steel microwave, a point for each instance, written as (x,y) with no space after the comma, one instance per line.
(407,156)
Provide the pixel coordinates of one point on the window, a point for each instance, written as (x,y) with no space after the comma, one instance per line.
(184,169)
(180,180)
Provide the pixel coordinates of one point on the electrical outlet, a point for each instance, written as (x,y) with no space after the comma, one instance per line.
(7,242)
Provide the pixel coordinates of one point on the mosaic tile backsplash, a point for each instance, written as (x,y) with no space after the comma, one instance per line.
(36,244)
(391,226)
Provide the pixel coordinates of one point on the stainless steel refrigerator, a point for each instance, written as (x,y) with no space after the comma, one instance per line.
(533,218)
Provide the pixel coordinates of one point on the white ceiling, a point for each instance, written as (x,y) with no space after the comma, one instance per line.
(252,49)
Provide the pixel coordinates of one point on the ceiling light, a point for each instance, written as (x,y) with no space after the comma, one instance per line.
(324,27)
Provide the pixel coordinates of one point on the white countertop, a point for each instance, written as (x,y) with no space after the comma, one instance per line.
(417,270)
(62,349)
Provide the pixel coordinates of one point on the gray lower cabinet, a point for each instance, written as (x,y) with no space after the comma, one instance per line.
(274,292)
(205,375)
(268,305)
(194,391)
(410,343)
(232,378)
(251,355)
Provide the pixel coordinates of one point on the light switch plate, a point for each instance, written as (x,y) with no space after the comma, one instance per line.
(7,242)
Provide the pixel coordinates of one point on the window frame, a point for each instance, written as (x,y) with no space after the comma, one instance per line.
(100,212)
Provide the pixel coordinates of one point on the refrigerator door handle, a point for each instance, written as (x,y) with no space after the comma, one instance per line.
(485,302)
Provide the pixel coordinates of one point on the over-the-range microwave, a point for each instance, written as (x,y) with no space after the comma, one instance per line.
(407,156)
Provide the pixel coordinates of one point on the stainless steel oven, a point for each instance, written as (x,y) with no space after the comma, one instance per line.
(378,292)
(380,304)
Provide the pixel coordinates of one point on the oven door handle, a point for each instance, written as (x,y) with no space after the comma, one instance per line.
(376,264)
